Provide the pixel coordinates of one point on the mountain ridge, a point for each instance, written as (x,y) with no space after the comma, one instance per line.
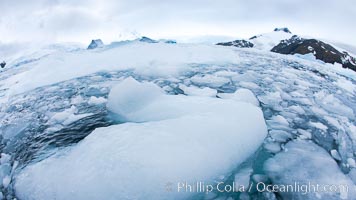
(282,41)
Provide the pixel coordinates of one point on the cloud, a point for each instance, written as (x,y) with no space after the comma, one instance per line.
(65,20)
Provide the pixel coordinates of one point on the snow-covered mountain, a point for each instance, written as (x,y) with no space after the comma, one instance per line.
(148,119)
(264,41)
(317,48)
(281,40)
(267,41)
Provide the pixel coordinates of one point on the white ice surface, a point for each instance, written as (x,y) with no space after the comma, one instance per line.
(346,84)
(242,178)
(241,94)
(67,116)
(195,91)
(140,102)
(309,164)
(97,100)
(210,80)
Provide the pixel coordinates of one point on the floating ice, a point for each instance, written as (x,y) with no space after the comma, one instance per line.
(241,94)
(298,90)
(67,116)
(210,80)
(330,103)
(97,100)
(346,85)
(180,138)
(242,178)
(310,165)
(335,154)
(319,125)
(155,60)
(273,147)
(195,91)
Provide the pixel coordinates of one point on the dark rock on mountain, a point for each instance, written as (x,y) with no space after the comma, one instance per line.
(95,44)
(169,41)
(286,30)
(250,42)
(283,29)
(296,45)
(147,39)
(253,37)
(237,43)
(3,64)
(321,51)
(349,61)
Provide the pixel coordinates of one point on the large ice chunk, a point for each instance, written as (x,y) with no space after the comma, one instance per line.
(140,102)
(130,96)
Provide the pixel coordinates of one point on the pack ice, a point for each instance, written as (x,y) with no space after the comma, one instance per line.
(124,120)
(165,139)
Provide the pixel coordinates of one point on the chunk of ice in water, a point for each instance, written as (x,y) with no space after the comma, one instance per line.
(241,94)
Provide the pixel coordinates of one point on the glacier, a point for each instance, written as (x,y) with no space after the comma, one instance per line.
(73,127)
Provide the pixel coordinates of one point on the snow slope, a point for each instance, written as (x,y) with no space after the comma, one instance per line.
(267,41)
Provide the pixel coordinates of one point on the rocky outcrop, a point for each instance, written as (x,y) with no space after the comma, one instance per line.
(95,44)
(285,29)
(148,40)
(169,41)
(321,51)
(237,43)
(2,65)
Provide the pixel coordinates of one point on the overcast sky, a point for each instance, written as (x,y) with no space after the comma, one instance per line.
(83,20)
